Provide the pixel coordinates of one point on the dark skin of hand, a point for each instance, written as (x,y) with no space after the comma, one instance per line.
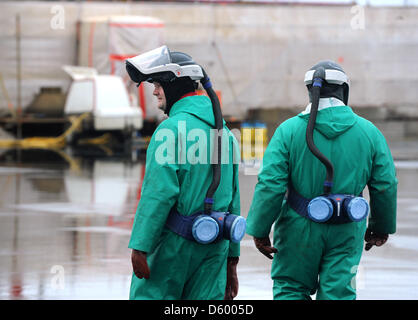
(139,264)
(264,246)
(231,290)
(374,239)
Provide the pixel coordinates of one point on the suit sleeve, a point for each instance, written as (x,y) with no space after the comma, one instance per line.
(383,189)
(271,186)
(160,190)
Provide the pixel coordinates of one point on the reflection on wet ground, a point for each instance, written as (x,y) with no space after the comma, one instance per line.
(65,223)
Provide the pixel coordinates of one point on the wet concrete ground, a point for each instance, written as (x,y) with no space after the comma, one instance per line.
(65,223)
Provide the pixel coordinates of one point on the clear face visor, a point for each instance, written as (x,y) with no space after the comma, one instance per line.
(159,62)
(149,62)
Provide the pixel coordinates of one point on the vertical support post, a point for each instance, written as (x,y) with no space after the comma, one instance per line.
(18,78)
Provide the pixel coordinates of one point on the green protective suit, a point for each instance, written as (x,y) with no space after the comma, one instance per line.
(178,173)
(318,257)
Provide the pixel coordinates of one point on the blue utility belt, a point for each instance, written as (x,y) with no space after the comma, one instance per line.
(207,228)
(182,225)
(331,209)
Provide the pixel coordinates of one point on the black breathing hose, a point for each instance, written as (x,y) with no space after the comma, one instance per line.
(318,78)
(207,85)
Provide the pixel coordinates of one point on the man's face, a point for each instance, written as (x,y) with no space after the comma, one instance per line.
(159,93)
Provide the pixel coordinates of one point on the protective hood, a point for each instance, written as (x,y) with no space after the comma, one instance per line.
(175,71)
(334,121)
(198,106)
(173,91)
(336,82)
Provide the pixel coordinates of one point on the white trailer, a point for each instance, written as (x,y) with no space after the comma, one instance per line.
(105,97)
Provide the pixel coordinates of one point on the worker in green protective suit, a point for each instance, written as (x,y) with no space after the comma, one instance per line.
(178,172)
(322,257)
